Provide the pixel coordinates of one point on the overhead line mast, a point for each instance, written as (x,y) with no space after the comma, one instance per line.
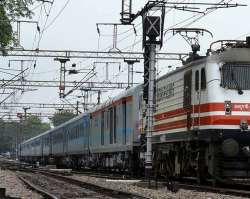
(42,53)
(40,105)
(93,85)
(153,26)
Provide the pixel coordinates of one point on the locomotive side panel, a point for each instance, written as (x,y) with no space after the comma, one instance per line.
(169,115)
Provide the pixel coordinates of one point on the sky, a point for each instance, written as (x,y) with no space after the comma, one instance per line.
(71,25)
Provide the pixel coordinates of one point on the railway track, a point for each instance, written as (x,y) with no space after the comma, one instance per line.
(28,175)
(222,190)
(236,189)
(37,189)
(58,186)
(113,176)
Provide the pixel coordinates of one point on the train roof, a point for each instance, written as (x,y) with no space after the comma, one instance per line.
(110,101)
(34,138)
(101,106)
(227,55)
(57,127)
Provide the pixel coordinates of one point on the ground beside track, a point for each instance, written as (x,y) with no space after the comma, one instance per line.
(160,193)
(61,189)
(14,187)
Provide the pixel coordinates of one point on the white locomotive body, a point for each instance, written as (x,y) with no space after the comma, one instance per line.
(203,112)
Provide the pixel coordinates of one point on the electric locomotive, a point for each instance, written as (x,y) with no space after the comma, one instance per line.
(202,115)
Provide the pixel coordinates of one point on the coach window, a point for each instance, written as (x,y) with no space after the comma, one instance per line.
(79,132)
(115,121)
(124,121)
(197,80)
(102,128)
(203,79)
(111,126)
(107,119)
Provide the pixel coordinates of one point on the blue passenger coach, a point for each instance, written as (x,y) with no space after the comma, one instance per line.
(106,136)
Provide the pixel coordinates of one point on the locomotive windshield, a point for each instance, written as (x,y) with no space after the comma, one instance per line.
(236,76)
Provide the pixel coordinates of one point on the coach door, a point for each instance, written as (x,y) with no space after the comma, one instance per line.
(197,97)
(200,94)
(65,140)
(187,96)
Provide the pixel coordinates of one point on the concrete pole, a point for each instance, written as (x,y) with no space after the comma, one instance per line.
(107,71)
(99,98)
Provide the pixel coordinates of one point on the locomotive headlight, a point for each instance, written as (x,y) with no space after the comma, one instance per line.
(244,125)
(228,107)
(246,150)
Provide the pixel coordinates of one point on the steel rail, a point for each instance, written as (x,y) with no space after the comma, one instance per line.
(231,191)
(93,187)
(37,189)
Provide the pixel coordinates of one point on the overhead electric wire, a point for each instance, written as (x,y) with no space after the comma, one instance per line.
(41,32)
(131,46)
(10,80)
(9,69)
(197,17)
(45,27)
(7,73)
(32,9)
(56,17)
(7,97)
(45,24)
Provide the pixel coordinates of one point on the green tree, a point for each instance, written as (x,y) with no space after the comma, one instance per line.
(61,117)
(13,132)
(8,135)
(9,11)
(33,126)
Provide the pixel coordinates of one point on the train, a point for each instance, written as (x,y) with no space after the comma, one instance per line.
(201,123)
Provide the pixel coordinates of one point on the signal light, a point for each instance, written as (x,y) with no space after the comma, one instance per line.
(228,107)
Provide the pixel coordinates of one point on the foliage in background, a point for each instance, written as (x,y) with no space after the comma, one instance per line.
(33,126)
(9,131)
(61,117)
(11,10)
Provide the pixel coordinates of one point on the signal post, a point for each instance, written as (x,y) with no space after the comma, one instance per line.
(152,32)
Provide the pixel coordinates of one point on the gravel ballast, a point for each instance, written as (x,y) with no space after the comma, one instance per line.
(161,193)
(14,187)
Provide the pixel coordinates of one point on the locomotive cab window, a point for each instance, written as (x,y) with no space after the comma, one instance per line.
(197,80)
(203,79)
(236,76)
